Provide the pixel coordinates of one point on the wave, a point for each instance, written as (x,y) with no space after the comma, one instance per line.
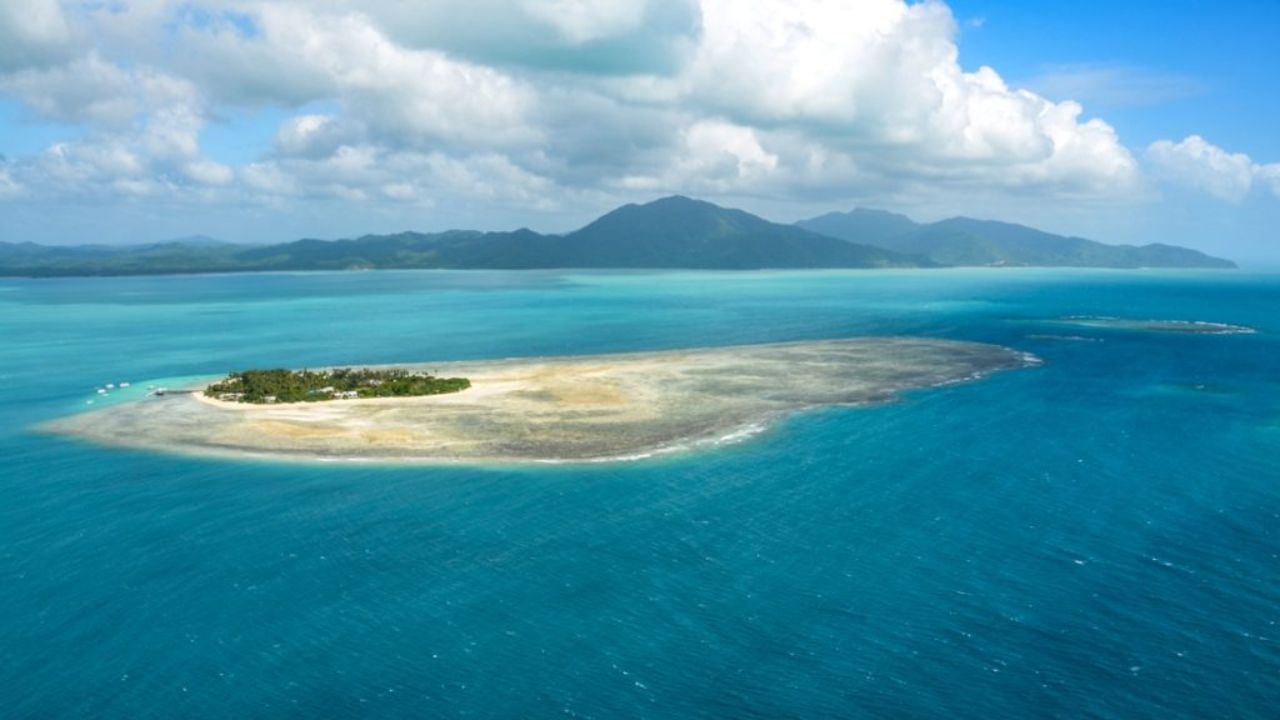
(737,435)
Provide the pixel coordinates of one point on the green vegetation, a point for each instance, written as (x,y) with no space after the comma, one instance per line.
(290,386)
(964,241)
(674,232)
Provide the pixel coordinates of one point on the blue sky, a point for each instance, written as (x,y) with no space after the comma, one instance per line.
(1222,56)
(264,121)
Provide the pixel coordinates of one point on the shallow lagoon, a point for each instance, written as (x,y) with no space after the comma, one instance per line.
(1097,536)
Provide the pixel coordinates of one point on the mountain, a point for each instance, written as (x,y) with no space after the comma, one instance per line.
(674,232)
(873,226)
(681,232)
(32,260)
(671,233)
(965,241)
(191,241)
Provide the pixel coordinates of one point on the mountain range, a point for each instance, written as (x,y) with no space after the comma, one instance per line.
(671,233)
(963,241)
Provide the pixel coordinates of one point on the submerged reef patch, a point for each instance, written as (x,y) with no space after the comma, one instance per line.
(1189,327)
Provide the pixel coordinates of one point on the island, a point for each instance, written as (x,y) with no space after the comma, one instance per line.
(972,242)
(1185,327)
(671,233)
(267,387)
(565,409)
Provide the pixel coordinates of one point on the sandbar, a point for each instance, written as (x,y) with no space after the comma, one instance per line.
(1186,327)
(563,409)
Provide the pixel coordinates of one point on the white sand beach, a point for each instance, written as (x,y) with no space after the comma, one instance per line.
(556,409)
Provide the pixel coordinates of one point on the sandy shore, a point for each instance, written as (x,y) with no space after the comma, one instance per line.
(556,409)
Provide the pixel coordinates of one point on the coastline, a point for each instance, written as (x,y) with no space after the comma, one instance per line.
(572,270)
(583,409)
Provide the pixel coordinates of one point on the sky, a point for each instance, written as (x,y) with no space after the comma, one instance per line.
(136,121)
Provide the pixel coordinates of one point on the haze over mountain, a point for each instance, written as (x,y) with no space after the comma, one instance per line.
(671,233)
(680,232)
(873,225)
(674,232)
(963,241)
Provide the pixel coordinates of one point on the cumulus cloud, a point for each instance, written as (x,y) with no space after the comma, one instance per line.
(1197,163)
(595,37)
(412,96)
(369,173)
(141,135)
(32,33)
(714,157)
(208,172)
(580,21)
(877,84)
(310,135)
(9,187)
(540,103)
(93,90)
(1270,174)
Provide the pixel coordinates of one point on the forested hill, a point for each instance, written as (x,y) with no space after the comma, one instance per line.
(967,242)
(670,233)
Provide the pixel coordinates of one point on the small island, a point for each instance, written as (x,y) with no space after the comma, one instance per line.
(1185,327)
(585,408)
(268,387)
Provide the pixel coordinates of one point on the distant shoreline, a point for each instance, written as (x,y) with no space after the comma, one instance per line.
(650,270)
(671,233)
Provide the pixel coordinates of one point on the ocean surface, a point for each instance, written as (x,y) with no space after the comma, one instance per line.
(1097,537)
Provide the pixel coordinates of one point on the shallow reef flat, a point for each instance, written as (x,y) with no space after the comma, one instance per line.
(1190,327)
(568,409)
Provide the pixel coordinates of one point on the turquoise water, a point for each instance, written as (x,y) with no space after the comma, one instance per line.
(1098,537)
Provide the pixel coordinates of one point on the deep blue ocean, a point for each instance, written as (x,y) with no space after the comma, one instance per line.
(1097,537)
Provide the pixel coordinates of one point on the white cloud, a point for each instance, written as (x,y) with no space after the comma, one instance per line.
(601,37)
(86,162)
(880,79)
(9,187)
(269,179)
(1271,175)
(208,172)
(540,103)
(580,21)
(415,96)
(91,89)
(141,131)
(32,33)
(367,172)
(1197,163)
(714,157)
(310,134)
